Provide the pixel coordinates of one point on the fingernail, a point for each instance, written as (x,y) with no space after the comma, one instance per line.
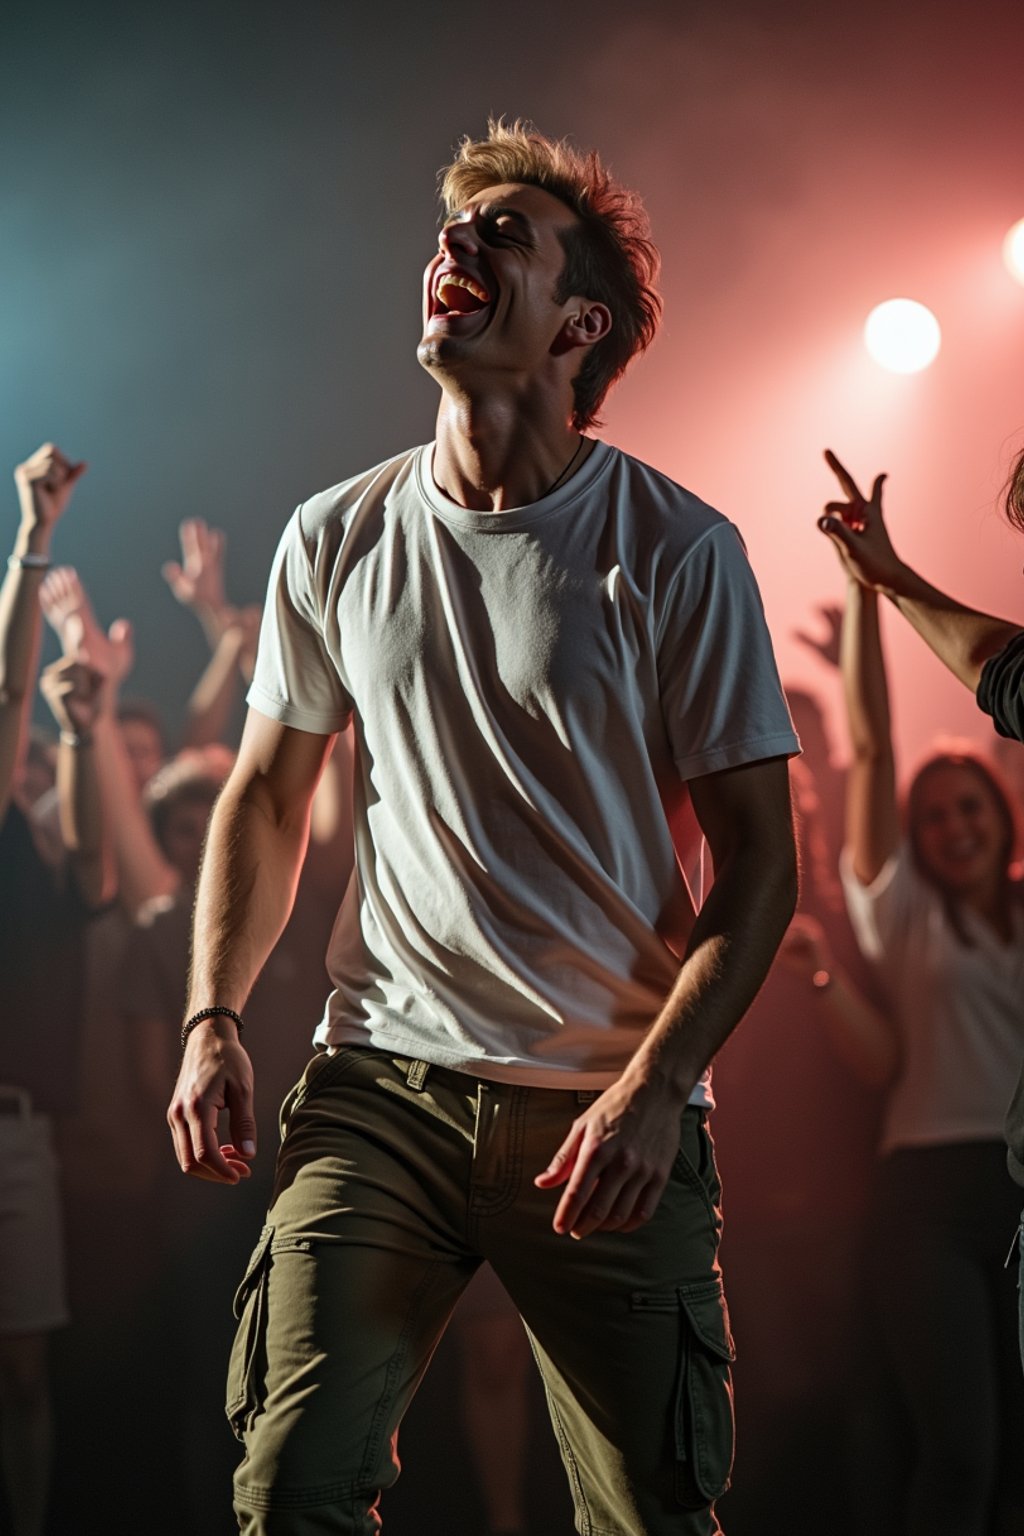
(249,1148)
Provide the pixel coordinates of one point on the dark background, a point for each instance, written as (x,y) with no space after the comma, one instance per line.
(213,219)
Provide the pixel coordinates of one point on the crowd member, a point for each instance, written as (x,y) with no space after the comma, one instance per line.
(110,1145)
(201,1245)
(537,639)
(493,1372)
(938,909)
(797,1138)
(984,652)
(44,909)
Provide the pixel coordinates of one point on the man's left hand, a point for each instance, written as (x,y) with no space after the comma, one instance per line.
(615,1161)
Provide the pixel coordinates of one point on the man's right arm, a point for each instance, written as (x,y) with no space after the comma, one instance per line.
(254,852)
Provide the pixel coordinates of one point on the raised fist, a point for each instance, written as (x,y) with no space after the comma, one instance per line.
(45,482)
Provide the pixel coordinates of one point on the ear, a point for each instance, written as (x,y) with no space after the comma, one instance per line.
(587,323)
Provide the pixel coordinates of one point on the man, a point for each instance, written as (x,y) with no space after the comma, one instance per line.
(538,640)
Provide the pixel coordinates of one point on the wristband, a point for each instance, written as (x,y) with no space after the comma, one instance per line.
(28,562)
(209,1013)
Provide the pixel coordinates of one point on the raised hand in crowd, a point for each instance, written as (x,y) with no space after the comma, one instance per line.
(963,638)
(213,698)
(73,688)
(142,870)
(826,645)
(45,483)
(198,580)
(69,612)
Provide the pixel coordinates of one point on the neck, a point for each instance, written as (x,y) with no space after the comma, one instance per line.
(490,457)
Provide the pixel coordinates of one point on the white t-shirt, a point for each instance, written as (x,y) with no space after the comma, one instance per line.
(529,690)
(959,1009)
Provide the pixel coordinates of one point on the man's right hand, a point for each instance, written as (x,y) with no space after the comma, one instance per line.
(216,1074)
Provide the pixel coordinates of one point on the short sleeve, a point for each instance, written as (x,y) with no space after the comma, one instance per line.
(722,700)
(884,913)
(1001,689)
(295,679)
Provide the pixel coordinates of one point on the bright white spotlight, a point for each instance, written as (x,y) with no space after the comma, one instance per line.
(902,336)
(1013,251)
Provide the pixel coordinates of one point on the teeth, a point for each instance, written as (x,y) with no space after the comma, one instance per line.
(459,280)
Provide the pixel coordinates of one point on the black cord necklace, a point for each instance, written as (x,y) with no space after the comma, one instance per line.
(556,482)
(559,478)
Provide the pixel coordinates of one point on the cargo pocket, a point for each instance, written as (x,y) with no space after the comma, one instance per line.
(246,1365)
(703,1423)
(705,1426)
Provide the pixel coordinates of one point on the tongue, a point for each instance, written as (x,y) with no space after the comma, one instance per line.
(458,299)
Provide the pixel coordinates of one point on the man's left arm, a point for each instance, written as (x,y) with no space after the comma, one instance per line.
(616,1160)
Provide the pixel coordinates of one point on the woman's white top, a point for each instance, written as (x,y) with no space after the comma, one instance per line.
(958,1009)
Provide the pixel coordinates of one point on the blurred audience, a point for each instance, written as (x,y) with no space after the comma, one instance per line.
(936,905)
(47,889)
(794,1219)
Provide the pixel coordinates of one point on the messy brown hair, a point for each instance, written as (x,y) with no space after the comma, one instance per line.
(609,255)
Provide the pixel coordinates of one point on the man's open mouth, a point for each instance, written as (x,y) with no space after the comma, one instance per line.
(456,293)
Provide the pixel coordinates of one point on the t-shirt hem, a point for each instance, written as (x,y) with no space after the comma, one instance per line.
(759,749)
(289,714)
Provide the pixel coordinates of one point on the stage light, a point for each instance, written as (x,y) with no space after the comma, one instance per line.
(1013,251)
(902,336)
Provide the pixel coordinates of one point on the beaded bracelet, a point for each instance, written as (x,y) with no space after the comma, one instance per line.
(209,1013)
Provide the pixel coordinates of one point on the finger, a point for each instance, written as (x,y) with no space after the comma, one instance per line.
(238,1159)
(205,1151)
(561,1165)
(838,531)
(73,635)
(811,641)
(852,516)
(610,1204)
(243,1123)
(646,1205)
(582,1183)
(843,475)
(180,1137)
(876,491)
(172,573)
(190,536)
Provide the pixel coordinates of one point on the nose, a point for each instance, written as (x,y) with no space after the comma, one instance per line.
(458,238)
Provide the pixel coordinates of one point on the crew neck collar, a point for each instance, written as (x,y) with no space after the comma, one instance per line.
(512,518)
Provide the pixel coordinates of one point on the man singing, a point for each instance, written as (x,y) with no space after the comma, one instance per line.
(541,643)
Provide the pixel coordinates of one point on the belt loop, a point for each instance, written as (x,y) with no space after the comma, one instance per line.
(416,1075)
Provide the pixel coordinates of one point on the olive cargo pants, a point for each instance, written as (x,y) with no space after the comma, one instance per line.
(394,1181)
